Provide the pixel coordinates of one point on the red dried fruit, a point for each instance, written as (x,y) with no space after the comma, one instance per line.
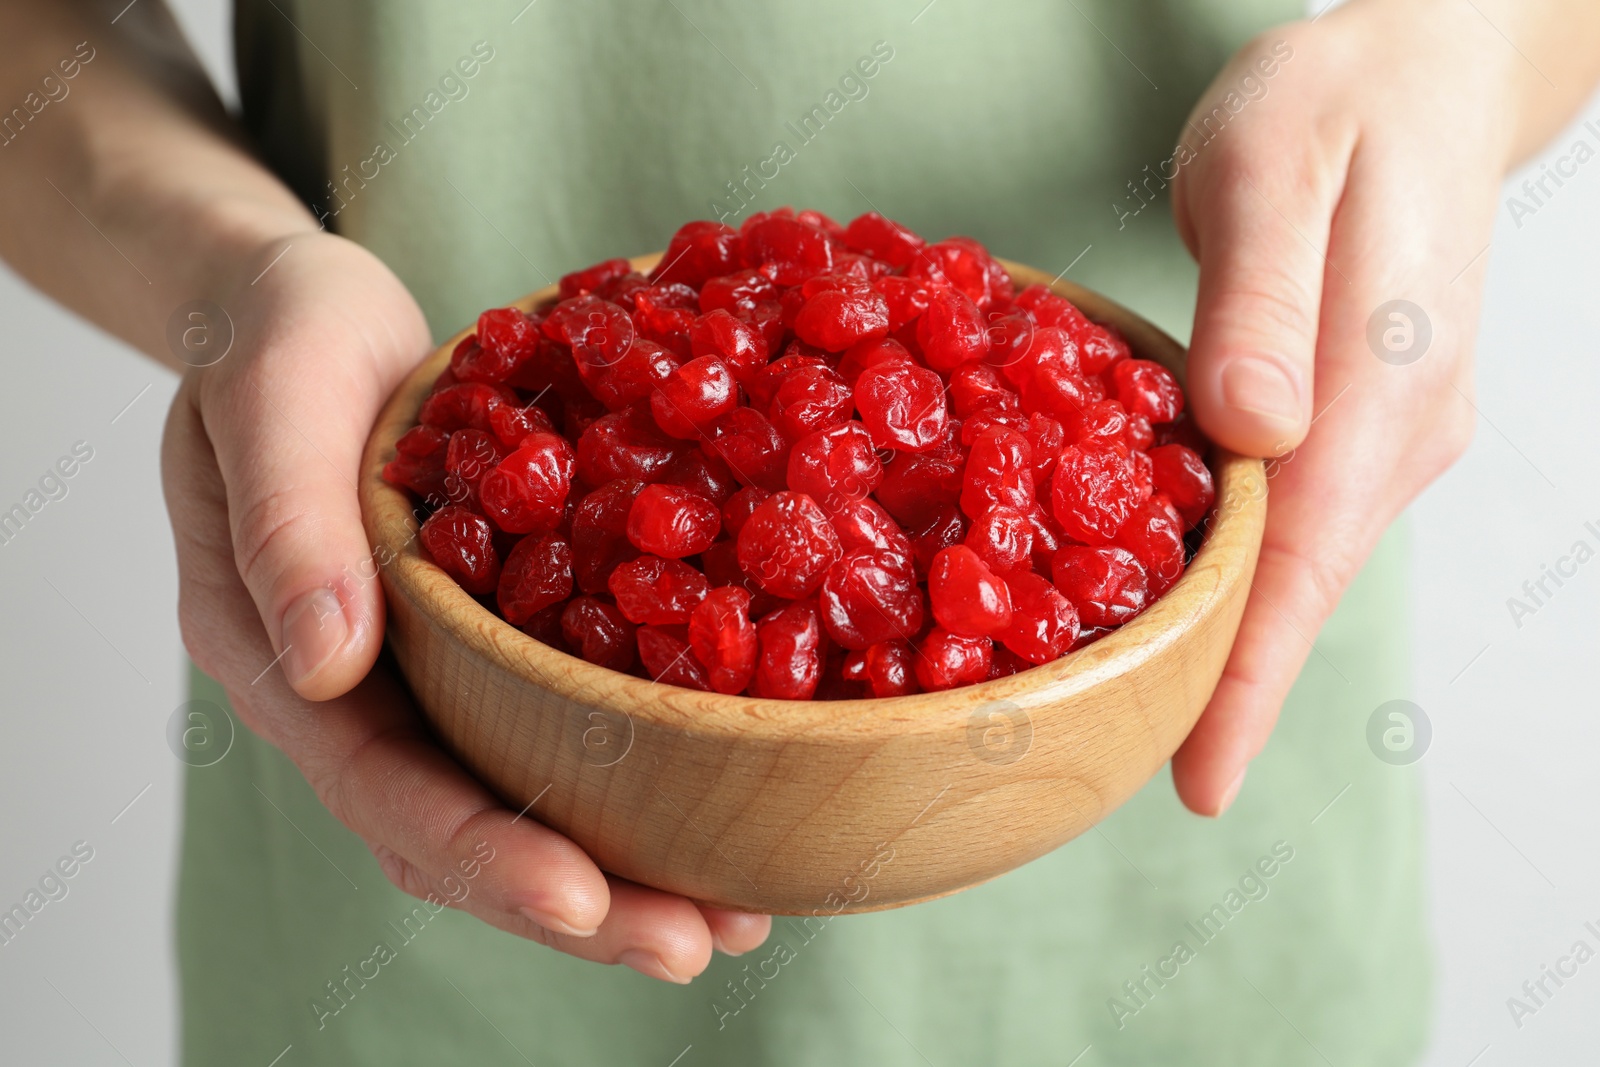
(916,485)
(463,407)
(468,457)
(598,632)
(870,596)
(600,533)
(889,669)
(882,238)
(673,522)
(512,424)
(742,290)
(809,399)
(1002,537)
(835,319)
(835,466)
(902,406)
(999,473)
(1181,431)
(784,249)
(699,250)
(946,660)
(693,396)
(419,463)
(762,385)
(721,565)
(971,398)
(1043,621)
(1046,437)
(635,376)
(505,338)
(907,299)
(599,332)
(964,264)
(1102,422)
(752,448)
(967,597)
(537,574)
(951,332)
(624,444)
(1148,389)
(662,592)
(665,653)
(738,508)
(1107,585)
(945,527)
(787,545)
(528,490)
(863,524)
(544,626)
(1186,480)
(858,357)
(975,387)
(789,663)
(1092,493)
(724,639)
(1102,346)
(1015,344)
(1155,537)
(583,282)
(665,315)
(462,544)
(737,343)
(703,472)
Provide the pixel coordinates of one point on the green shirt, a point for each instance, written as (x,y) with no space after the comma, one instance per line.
(483,149)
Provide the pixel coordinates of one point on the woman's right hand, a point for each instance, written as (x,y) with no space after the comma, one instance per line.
(260,463)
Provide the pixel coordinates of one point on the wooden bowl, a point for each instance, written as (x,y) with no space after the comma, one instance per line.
(813,807)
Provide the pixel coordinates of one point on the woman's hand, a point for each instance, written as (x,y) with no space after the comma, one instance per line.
(1366,172)
(260,464)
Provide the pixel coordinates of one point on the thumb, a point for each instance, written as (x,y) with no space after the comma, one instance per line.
(1261,237)
(289,427)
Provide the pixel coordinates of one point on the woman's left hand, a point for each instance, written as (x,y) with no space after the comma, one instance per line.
(1341,217)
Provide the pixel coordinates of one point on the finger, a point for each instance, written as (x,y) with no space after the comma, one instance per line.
(365,753)
(1380,437)
(1260,224)
(657,934)
(1295,589)
(734,933)
(288,427)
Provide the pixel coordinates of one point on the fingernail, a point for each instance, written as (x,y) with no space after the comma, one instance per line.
(1261,387)
(552,922)
(314,629)
(1231,792)
(716,943)
(649,964)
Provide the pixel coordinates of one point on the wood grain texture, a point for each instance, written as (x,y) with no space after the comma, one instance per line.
(803,807)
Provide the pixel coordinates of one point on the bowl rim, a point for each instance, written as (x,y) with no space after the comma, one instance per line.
(1204,589)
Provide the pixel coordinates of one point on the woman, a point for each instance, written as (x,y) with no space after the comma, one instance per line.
(399,167)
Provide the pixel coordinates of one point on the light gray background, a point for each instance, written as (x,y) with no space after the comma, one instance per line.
(89,657)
